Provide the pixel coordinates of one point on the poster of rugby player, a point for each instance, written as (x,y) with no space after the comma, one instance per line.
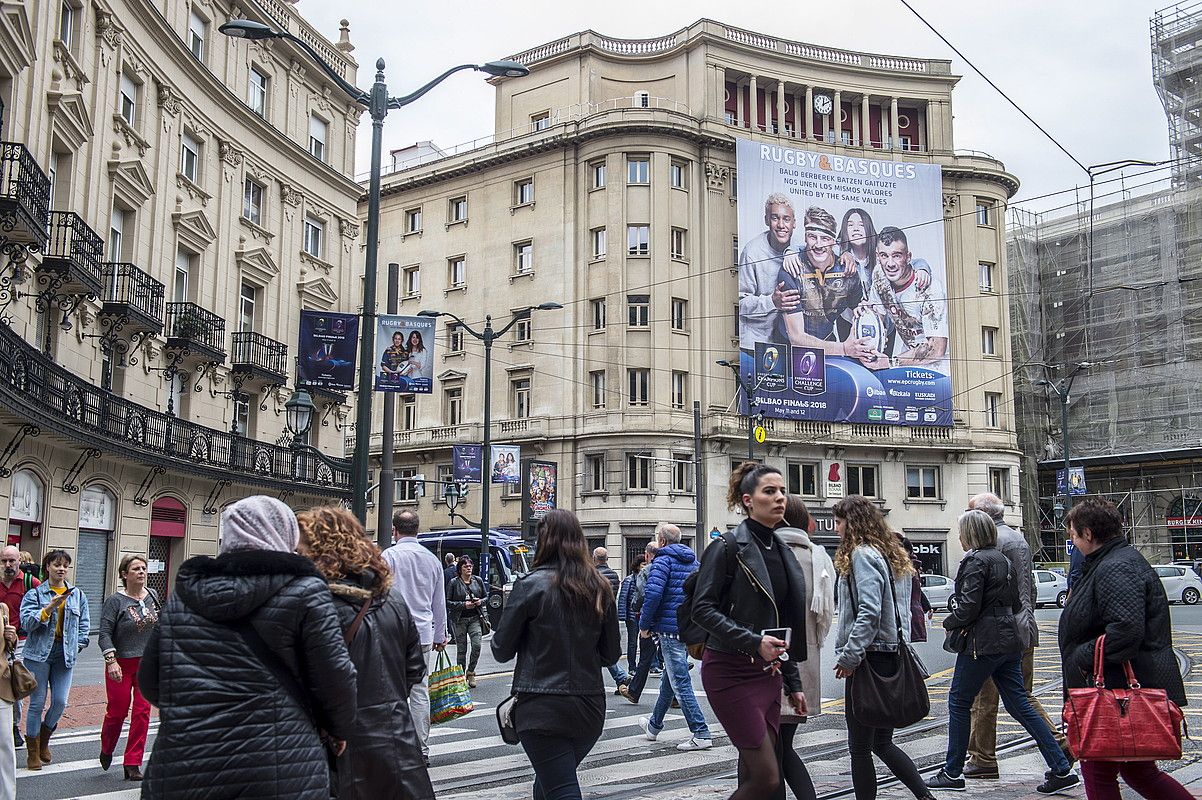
(843,311)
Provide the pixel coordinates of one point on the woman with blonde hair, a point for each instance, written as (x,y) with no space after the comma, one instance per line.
(126,621)
(383,756)
(874,594)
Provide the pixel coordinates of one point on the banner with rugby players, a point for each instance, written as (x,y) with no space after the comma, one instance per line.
(843,308)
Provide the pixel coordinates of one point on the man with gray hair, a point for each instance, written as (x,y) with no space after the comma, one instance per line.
(982,743)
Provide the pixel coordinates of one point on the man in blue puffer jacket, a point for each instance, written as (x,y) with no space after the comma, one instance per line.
(665,592)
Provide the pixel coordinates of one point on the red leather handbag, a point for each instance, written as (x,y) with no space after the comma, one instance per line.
(1132,724)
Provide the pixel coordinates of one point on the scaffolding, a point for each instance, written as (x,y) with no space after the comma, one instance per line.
(1176,33)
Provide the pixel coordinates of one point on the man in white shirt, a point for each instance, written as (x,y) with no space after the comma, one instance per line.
(417,578)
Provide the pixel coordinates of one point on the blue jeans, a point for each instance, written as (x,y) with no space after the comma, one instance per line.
(676,680)
(55,675)
(618,674)
(1007,674)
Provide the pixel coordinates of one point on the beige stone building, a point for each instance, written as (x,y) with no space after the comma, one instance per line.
(170,199)
(609,188)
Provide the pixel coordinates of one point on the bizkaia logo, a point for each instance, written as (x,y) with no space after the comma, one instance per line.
(876,414)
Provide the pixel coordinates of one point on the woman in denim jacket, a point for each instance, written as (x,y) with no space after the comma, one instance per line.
(55,617)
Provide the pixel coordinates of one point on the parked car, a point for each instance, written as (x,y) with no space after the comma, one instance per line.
(509,555)
(1050,587)
(938,589)
(1194,564)
(1180,583)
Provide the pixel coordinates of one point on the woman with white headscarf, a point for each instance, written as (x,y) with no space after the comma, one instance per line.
(247,663)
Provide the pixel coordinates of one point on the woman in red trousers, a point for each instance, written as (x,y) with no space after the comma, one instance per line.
(129,616)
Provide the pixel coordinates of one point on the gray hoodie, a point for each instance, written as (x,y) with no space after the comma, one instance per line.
(869,622)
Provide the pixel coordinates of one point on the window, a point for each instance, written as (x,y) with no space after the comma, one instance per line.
(676,174)
(129,99)
(594,473)
(989,341)
(454,338)
(411,280)
(523,192)
(405,488)
(66,25)
(315,234)
(678,243)
(523,258)
(521,330)
(734,251)
(540,121)
(598,237)
(680,314)
(408,412)
(861,479)
(999,482)
(241,416)
(183,270)
(638,240)
(457,210)
(456,272)
(598,307)
(519,392)
(189,157)
(597,378)
(248,298)
(638,169)
(984,213)
(257,92)
(120,222)
(993,403)
(638,472)
(986,273)
(680,382)
(597,171)
(922,483)
(413,220)
(682,472)
(638,308)
(803,479)
(639,386)
(642,99)
(453,405)
(198,31)
(318,130)
(252,201)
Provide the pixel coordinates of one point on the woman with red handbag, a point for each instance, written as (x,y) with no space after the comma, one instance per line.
(1120,596)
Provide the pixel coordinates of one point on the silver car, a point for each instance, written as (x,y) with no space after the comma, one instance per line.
(937,589)
(1180,583)
(1050,587)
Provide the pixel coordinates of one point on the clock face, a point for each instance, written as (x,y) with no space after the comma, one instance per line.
(822,103)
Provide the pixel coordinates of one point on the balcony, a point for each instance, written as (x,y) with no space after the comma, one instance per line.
(133,296)
(256,356)
(195,329)
(24,196)
(74,253)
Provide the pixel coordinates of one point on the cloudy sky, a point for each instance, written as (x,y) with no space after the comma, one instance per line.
(1083,70)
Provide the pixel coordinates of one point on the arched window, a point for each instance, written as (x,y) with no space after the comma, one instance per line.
(27,498)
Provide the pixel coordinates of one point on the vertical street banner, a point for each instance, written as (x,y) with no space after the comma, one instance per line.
(328,344)
(539,490)
(843,308)
(404,354)
(467,463)
(506,463)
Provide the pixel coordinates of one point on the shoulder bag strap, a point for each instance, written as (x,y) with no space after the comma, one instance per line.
(354,628)
(893,595)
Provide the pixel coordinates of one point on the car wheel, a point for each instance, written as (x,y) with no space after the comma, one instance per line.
(1062,599)
(1190,596)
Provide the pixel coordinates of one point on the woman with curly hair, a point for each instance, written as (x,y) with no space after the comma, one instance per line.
(383,756)
(874,593)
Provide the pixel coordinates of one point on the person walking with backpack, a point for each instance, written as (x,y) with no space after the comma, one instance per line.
(601,561)
(627,614)
(466,597)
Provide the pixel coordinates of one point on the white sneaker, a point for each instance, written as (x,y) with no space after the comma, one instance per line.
(648,731)
(695,744)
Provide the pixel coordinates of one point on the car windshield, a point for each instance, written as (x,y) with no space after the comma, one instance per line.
(521,557)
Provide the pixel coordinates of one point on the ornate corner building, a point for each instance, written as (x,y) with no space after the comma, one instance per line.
(169,200)
(609,187)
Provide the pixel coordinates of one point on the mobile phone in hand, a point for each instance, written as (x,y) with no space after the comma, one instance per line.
(785,634)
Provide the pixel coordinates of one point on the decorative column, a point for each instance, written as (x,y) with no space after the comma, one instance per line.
(739,108)
(866,120)
(755,104)
(809,112)
(893,122)
(837,113)
(780,108)
(799,100)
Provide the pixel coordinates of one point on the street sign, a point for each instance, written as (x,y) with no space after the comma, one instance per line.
(761,434)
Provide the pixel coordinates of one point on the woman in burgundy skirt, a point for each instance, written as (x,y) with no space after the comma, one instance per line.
(749,583)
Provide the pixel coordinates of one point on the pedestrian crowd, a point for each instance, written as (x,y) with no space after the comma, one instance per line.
(296,663)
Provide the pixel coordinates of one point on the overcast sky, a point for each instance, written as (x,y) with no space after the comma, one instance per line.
(1083,70)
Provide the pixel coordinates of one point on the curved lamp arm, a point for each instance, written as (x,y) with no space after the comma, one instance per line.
(401,102)
(354,92)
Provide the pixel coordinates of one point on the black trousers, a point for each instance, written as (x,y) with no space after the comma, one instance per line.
(555,759)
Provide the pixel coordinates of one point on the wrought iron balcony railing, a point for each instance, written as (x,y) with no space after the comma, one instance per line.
(194,328)
(134,295)
(75,253)
(33,387)
(24,195)
(259,356)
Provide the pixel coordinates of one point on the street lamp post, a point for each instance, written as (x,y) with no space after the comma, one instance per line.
(488,336)
(1063,388)
(378,104)
(748,389)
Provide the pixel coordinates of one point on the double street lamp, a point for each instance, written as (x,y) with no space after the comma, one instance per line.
(378,104)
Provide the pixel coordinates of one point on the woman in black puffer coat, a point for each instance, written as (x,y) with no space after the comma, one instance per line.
(383,757)
(228,727)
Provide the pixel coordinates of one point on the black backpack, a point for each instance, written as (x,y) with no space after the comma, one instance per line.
(692,635)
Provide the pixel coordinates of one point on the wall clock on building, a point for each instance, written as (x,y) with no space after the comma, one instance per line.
(823,104)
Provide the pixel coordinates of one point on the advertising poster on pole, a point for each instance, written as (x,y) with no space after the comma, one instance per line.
(540,488)
(467,463)
(506,464)
(328,345)
(404,354)
(843,310)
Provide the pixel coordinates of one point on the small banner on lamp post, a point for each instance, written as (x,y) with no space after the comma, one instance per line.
(404,354)
(467,463)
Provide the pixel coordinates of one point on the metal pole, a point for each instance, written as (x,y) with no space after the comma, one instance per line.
(486,473)
(378,107)
(386,493)
(750,420)
(698,475)
(1064,442)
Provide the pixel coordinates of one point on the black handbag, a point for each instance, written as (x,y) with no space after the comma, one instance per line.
(888,701)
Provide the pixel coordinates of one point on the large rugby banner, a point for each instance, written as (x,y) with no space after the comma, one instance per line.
(843,311)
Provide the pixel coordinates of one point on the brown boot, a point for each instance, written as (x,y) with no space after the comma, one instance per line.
(33,759)
(471,680)
(44,744)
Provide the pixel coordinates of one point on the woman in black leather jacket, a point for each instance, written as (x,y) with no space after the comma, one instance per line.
(983,630)
(749,582)
(561,621)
